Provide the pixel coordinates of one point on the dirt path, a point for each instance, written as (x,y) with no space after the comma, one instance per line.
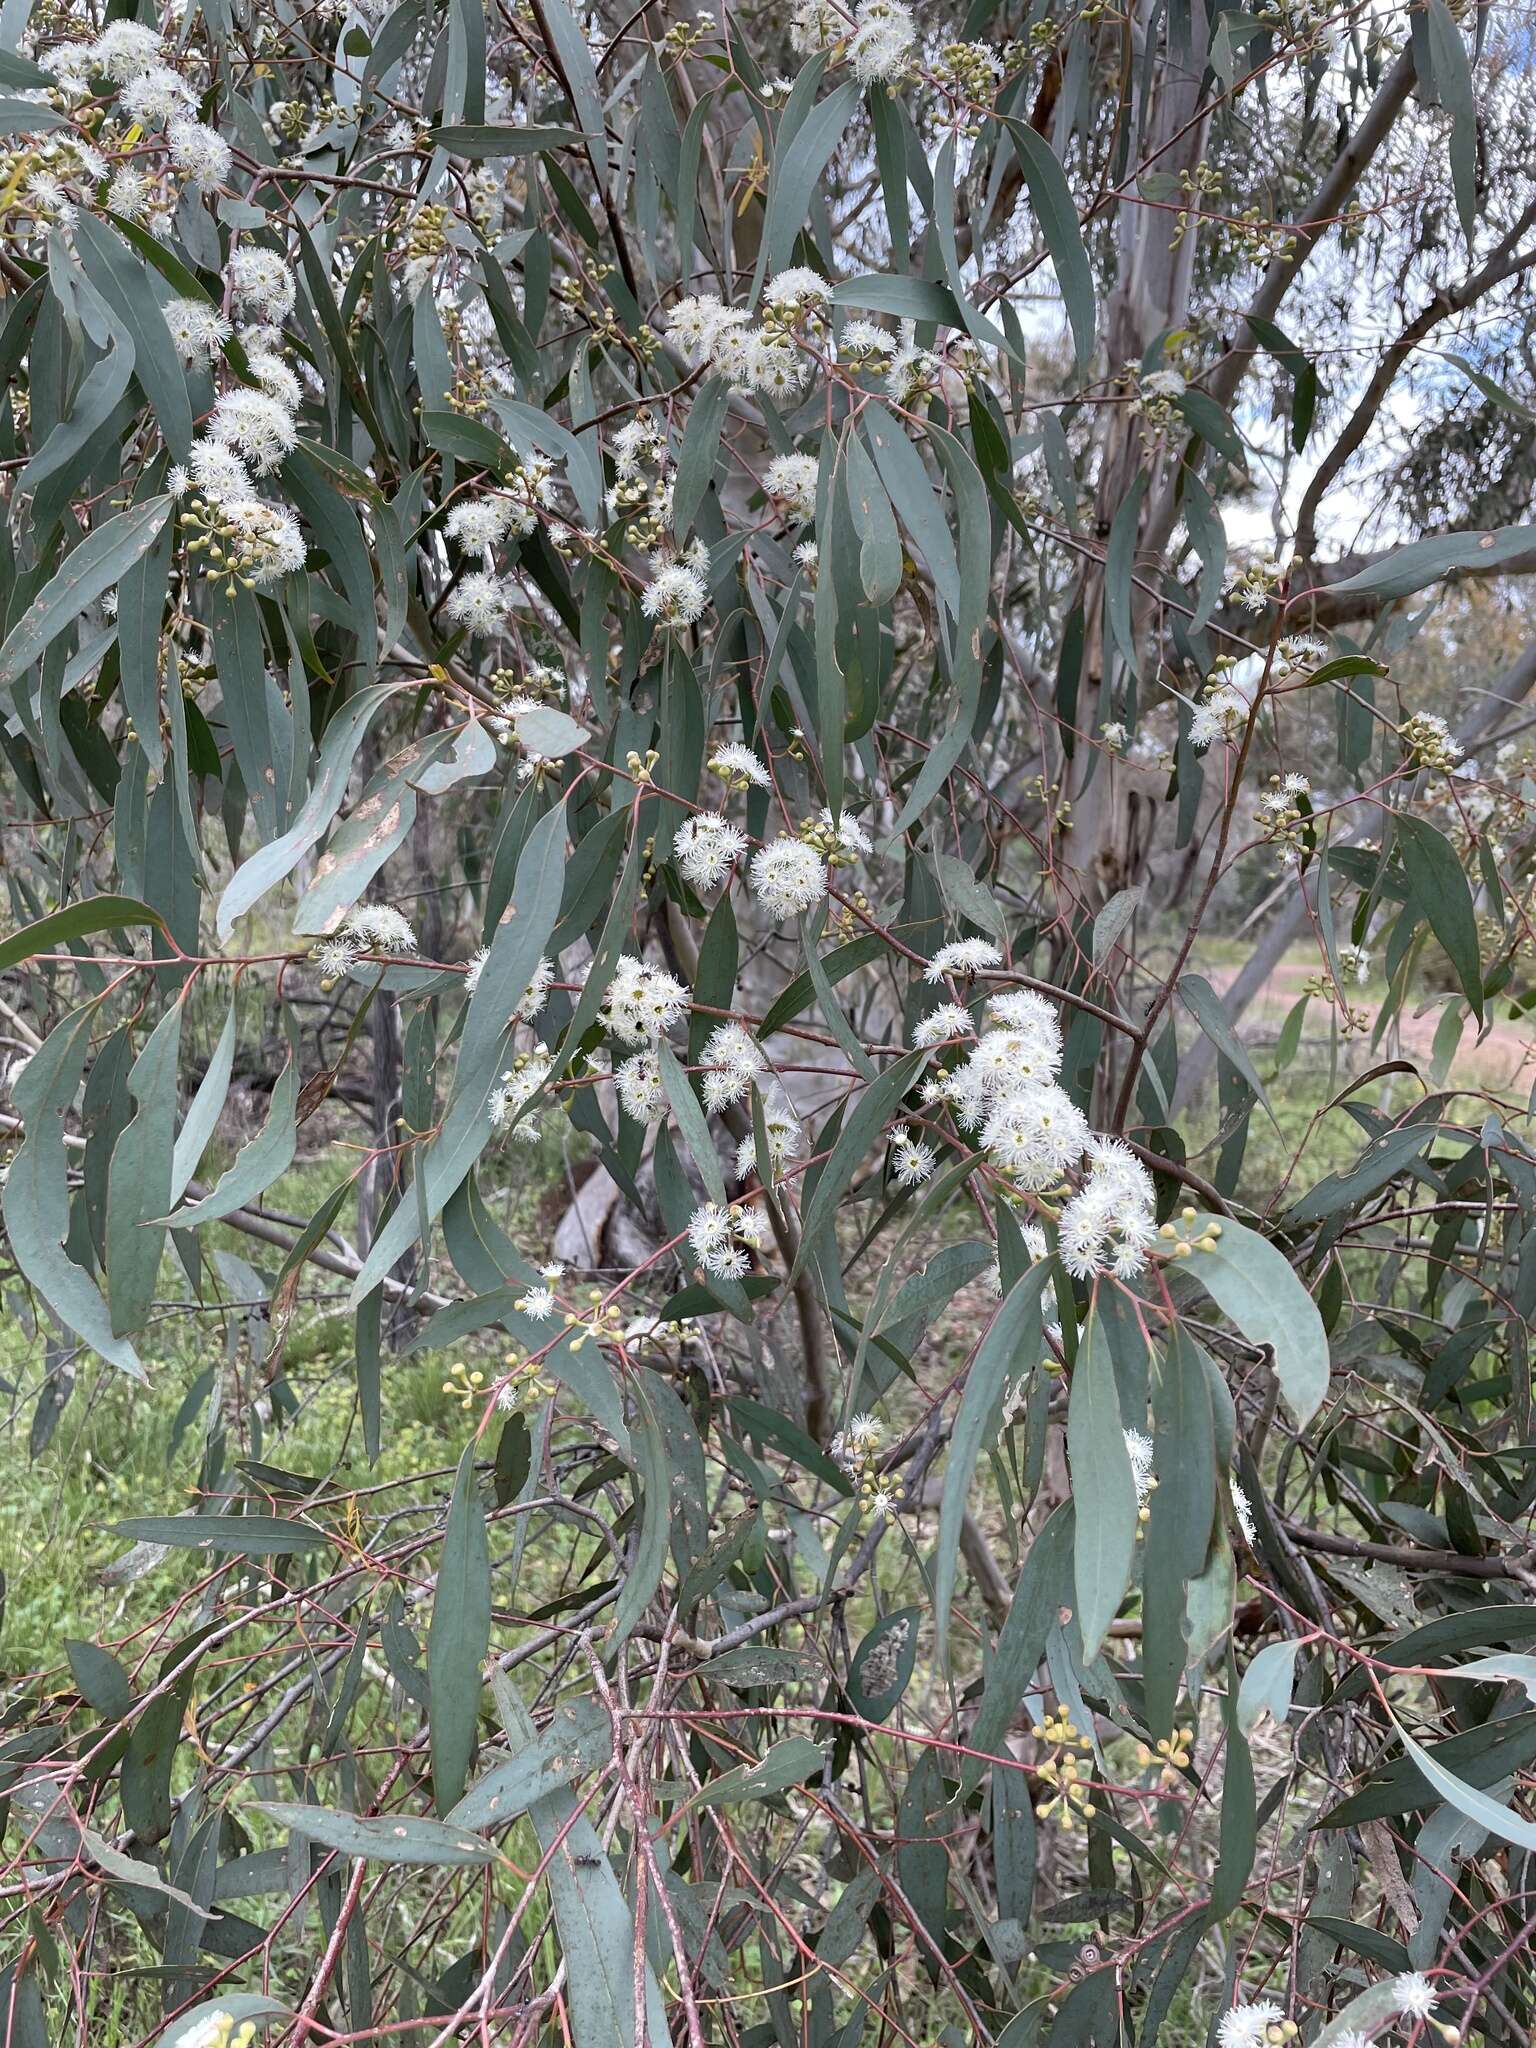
(1504,1057)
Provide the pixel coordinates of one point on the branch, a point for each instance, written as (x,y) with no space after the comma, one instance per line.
(1328,203)
(1505,262)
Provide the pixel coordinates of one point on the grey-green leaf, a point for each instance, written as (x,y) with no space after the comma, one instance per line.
(1255,1284)
(385,1839)
(459,1636)
(1103,1489)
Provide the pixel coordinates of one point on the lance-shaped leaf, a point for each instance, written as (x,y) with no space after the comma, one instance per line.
(257,1164)
(386,1838)
(459,1636)
(1103,1489)
(1051,197)
(1422,562)
(139,1178)
(267,867)
(1438,889)
(1010,1349)
(85,574)
(35,1202)
(234,1535)
(578,1739)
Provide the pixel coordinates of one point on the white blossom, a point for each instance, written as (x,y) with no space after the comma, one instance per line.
(478,525)
(262,284)
(912,1159)
(480,602)
(791,479)
(198,330)
(1244,2026)
(1138,1448)
(641,1093)
(735,1058)
(716,1236)
(706,847)
(949,1020)
(124,49)
(883,41)
(1035,1134)
(519,1084)
(675,595)
(217,471)
(1220,716)
(641,1001)
(199,153)
(864,340)
(962,956)
(259,426)
(157,95)
(851,837)
(334,957)
(782,1130)
(1109,1226)
(128,193)
(274,377)
(638,445)
(1415,1994)
(788,877)
(262,540)
(736,763)
(797,287)
(379,928)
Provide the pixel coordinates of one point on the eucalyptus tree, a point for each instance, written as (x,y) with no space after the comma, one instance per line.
(653,665)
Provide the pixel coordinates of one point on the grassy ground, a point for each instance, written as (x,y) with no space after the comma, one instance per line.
(108,1456)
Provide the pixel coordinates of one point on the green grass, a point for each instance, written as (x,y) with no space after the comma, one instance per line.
(120,1449)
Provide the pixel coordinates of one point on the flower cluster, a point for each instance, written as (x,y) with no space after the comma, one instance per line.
(789,877)
(963,957)
(1223,713)
(534,996)
(244,540)
(641,1001)
(1427,740)
(723,340)
(463,1385)
(706,847)
(790,480)
(857,1450)
(677,593)
(722,1239)
(1262,2024)
(150,149)
(1171,1754)
(1279,815)
(879,37)
(368,928)
(739,768)
(1071,1796)
(781,1127)
(734,1059)
(1006,1089)
(519,1084)
(912,1160)
(523,1384)
(1139,1449)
